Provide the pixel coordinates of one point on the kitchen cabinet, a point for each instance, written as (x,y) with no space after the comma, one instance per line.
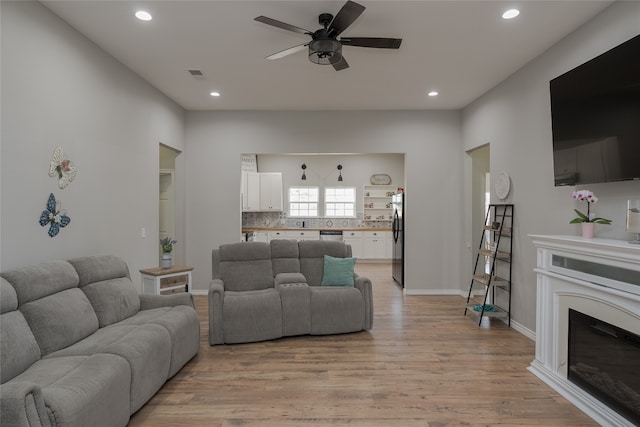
(250,191)
(299,235)
(377,202)
(353,238)
(376,244)
(271,191)
(261,191)
(277,234)
(261,236)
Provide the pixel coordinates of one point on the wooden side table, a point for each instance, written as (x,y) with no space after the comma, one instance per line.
(164,281)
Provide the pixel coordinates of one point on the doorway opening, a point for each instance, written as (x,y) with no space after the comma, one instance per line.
(167,193)
(480,194)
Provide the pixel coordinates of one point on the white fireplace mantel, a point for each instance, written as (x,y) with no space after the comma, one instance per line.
(598,277)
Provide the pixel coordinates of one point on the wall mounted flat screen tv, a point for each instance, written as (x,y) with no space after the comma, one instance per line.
(595,115)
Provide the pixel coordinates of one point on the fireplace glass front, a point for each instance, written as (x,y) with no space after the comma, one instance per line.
(604,360)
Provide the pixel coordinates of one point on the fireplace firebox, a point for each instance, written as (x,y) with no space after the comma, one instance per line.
(604,360)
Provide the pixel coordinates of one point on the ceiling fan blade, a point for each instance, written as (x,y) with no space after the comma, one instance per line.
(341,65)
(345,17)
(282,25)
(377,42)
(289,51)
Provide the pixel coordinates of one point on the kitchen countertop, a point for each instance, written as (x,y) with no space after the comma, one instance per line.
(247,229)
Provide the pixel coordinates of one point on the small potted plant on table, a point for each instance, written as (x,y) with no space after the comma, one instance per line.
(167,249)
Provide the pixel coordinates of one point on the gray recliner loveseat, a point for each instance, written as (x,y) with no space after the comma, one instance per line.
(80,347)
(262,291)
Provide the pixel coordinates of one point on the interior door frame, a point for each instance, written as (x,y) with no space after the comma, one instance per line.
(172,202)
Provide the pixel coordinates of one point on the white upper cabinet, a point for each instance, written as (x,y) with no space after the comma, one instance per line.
(250,191)
(271,191)
(261,191)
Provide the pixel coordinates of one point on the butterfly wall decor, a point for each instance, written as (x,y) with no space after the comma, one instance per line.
(62,168)
(53,216)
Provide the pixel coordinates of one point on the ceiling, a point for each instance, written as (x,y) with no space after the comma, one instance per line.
(459,48)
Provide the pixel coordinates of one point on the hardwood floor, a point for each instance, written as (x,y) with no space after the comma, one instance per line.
(423,364)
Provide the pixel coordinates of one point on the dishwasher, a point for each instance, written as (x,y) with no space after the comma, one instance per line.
(331,235)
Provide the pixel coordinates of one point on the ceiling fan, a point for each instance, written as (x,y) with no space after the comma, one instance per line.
(324,47)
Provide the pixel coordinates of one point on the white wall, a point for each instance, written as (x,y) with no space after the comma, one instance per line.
(433,177)
(59,89)
(515,118)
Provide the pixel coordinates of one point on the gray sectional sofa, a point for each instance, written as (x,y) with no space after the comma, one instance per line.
(80,347)
(262,291)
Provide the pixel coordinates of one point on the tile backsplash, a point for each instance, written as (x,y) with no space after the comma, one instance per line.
(280,220)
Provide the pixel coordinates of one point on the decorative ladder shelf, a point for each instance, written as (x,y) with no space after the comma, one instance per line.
(493,265)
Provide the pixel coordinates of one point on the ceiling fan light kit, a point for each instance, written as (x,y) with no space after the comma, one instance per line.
(325,51)
(325,48)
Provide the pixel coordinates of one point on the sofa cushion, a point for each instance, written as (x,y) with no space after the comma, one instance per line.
(252,316)
(105,280)
(113,300)
(83,390)
(18,346)
(183,326)
(145,347)
(336,310)
(312,254)
(338,271)
(8,297)
(246,266)
(61,319)
(38,281)
(58,313)
(284,256)
(98,268)
(296,308)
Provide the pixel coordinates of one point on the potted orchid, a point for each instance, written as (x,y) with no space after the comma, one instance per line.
(589,219)
(167,248)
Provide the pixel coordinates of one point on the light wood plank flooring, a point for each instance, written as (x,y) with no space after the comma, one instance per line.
(423,364)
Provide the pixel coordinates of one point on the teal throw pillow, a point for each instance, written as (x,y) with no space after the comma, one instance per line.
(338,271)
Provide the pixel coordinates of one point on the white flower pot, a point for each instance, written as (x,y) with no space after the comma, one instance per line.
(166,261)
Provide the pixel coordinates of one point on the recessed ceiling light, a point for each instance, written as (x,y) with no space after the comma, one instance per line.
(214,93)
(143,15)
(510,14)
(433,93)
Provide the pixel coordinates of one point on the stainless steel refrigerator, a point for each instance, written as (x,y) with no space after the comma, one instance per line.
(397,227)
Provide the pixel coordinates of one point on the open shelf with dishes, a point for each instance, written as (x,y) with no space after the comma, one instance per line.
(377,202)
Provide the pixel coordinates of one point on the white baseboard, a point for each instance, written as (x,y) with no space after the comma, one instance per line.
(523,330)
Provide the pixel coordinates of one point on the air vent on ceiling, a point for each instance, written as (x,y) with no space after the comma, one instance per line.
(197,74)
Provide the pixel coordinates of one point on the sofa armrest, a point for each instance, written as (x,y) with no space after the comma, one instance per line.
(148,301)
(216,300)
(22,404)
(284,278)
(363,284)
